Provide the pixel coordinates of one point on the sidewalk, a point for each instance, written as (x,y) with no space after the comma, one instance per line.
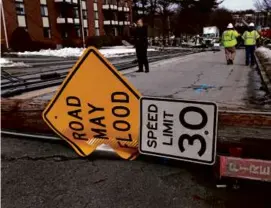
(204,76)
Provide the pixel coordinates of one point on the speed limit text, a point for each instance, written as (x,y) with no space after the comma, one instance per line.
(152,126)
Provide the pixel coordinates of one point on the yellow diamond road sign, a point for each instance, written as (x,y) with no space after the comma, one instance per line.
(96,105)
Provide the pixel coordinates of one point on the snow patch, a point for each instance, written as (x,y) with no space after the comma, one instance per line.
(7,63)
(4,61)
(265,52)
(115,51)
(63,52)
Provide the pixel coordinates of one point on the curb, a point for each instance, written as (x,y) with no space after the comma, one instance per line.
(264,77)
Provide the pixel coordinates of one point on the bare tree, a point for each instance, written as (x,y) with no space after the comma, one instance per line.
(165,10)
(220,18)
(262,5)
(153,10)
(194,15)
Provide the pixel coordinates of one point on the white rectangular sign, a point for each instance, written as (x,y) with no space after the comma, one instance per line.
(178,129)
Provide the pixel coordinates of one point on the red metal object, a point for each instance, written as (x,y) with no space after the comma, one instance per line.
(235,151)
(266,33)
(245,168)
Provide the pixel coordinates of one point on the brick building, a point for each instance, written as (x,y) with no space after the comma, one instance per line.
(55,21)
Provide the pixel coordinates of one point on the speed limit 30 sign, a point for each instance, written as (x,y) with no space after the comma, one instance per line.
(178,129)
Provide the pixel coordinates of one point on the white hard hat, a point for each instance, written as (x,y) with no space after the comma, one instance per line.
(251,24)
(230,26)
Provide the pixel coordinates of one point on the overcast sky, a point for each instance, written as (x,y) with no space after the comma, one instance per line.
(238,4)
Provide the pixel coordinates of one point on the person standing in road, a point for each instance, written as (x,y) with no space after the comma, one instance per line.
(141,45)
(250,38)
(229,40)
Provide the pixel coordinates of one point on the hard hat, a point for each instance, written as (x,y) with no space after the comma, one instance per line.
(251,24)
(230,26)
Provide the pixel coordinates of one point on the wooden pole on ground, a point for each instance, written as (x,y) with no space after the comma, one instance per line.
(234,128)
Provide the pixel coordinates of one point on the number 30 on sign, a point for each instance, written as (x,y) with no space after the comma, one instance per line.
(178,129)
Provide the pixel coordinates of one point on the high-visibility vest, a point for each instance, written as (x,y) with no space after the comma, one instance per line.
(229,38)
(250,38)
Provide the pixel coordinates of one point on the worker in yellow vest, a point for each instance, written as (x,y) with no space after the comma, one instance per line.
(229,41)
(250,38)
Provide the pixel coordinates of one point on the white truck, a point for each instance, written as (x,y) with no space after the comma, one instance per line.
(211,36)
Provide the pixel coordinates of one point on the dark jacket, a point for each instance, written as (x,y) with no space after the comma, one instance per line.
(141,36)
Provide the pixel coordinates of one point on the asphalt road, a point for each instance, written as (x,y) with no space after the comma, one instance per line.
(204,76)
(42,174)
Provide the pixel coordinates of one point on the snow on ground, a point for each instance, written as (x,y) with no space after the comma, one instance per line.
(7,63)
(4,61)
(115,51)
(266,52)
(63,52)
(118,51)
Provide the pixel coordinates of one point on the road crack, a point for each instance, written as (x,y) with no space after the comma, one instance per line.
(56,158)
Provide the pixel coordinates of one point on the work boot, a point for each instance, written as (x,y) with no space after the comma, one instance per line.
(228,62)
(138,71)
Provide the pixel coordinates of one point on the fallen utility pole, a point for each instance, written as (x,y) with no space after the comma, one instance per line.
(250,131)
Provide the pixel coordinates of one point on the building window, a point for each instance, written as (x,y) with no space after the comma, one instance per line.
(114,31)
(20,11)
(45,22)
(21,21)
(44,11)
(126,17)
(96,23)
(96,15)
(85,23)
(78,32)
(97,32)
(43,2)
(47,32)
(95,6)
(45,19)
(64,34)
(76,12)
(84,5)
(19,8)
(85,32)
(85,14)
